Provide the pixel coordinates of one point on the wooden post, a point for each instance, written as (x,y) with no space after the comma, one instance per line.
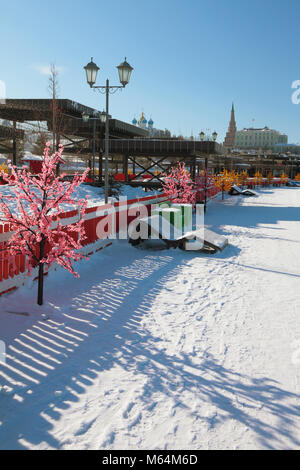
(193,168)
(100,166)
(41,275)
(205,183)
(125,167)
(92,164)
(15,143)
(57,140)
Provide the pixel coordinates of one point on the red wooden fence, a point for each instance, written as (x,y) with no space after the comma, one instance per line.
(13,269)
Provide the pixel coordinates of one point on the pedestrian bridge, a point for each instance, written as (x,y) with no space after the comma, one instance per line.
(163,147)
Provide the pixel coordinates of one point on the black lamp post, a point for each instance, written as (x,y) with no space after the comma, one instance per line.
(214,136)
(102,118)
(91,70)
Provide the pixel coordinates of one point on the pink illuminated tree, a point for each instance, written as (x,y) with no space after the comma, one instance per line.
(33,210)
(178,185)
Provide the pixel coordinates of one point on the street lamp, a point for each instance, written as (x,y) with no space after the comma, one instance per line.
(103,117)
(85,117)
(125,71)
(91,70)
(214,136)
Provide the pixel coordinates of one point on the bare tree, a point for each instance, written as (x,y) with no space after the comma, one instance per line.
(53,88)
(40,143)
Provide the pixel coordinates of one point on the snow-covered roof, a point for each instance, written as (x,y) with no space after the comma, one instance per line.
(30,157)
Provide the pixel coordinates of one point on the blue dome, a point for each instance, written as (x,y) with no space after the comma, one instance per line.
(134,121)
(144,121)
(150,122)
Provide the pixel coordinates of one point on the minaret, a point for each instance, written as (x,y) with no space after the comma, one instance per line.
(230,136)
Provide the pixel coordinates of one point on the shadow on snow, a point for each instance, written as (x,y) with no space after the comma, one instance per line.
(100,331)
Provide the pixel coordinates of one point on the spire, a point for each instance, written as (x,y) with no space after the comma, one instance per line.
(230,136)
(232,117)
(142,118)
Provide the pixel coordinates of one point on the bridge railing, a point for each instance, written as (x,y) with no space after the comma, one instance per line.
(161,146)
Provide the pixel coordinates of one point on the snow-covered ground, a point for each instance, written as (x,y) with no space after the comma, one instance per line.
(164,349)
(95,195)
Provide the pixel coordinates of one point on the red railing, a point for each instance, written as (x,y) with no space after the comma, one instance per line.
(211,189)
(14,269)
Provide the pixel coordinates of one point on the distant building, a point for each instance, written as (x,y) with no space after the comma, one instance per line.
(262,138)
(143,123)
(283,148)
(149,126)
(229,141)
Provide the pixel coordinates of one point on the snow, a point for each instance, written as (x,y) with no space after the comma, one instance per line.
(164,349)
(97,194)
(31,157)
(94,194)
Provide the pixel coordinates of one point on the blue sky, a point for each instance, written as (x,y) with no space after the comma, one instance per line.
(191,58)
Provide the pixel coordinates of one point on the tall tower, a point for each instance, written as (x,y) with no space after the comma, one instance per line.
(230,136)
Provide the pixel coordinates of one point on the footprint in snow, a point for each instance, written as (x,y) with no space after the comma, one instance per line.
(135,421)
(85,427)
(108,440)
(128,409)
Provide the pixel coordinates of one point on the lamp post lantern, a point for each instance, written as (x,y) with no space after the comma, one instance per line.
(85,117)
(91,70)
(125,71)
(102,117)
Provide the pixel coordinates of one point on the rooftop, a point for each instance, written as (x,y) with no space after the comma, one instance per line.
(260,129)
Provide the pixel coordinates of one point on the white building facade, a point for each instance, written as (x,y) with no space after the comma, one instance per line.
(263,138)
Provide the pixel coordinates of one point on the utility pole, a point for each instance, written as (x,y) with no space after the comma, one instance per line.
(15,143)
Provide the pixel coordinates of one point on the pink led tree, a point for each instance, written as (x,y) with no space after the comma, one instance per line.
(178,185)
(35,223)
